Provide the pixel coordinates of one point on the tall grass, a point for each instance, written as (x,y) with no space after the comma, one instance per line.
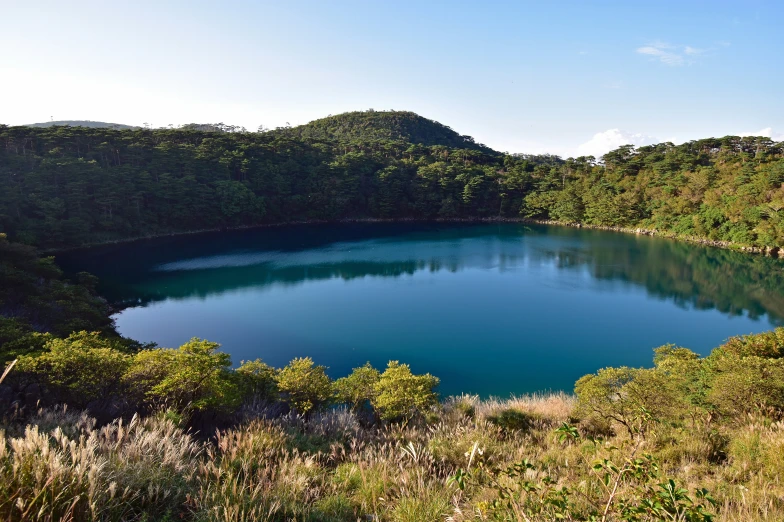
(61,466)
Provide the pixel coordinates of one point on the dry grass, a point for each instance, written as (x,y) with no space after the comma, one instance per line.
(61,467)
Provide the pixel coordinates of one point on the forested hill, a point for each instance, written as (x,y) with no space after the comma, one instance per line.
(68,186)
(402,126)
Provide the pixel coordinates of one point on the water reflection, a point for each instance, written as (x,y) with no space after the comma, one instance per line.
(214,264)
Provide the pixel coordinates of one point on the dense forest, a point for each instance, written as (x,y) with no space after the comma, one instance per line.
(68,186)
(97,427)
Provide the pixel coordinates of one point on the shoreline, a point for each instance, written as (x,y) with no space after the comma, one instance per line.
(774,252)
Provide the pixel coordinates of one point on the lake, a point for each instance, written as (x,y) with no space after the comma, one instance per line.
(491,309)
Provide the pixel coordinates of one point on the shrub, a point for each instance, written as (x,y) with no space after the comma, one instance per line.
(627,396)
(767,344)
(257,380)
(748,384)
(357,389)
(194,376)
(18,338)
(306,387)
(81,368)
(400,395)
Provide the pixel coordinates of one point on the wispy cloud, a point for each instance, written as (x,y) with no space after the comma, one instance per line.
(672,55)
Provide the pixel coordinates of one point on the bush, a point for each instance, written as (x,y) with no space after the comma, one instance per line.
(400,395)
(358,389)
(194,376)
(306,387)
(18,338)
(767,344)
(627,396)
(748,384)
(81,368)
(257,380)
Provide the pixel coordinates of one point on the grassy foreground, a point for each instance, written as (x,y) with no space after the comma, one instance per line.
(688,440)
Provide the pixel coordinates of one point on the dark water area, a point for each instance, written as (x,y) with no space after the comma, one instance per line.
(492,309)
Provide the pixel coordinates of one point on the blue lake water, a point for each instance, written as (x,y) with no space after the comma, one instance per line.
(492,309)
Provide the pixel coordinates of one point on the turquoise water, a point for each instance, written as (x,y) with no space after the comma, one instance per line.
(492,309)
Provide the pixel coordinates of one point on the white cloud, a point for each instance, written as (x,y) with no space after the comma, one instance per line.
(604,142)
(663,56)
(767,132)
(672,55)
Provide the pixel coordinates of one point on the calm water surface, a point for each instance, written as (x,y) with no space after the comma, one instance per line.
(490,309)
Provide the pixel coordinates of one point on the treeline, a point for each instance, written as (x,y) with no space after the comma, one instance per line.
(69,186)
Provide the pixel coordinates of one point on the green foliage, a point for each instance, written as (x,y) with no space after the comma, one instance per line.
(237,199)
(258,380)
(741,385)
(769,345)
(400,395)
(35,299)
(18,338)
(69,186)
(383,126)
(194,376)
(304,386)
(81,368)
(358,388)
(744,376)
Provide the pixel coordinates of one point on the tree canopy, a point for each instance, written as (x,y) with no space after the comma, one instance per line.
(69,186)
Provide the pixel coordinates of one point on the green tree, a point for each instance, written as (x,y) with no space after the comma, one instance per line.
(358,388)
(400,395)
(195,376)
(304,386)
(258,380)
(81,368)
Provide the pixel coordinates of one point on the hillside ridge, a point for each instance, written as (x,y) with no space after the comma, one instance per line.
(404,126)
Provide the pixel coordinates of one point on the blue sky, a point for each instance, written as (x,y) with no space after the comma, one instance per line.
(561,77)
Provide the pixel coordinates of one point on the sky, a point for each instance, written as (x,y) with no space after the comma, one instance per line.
(569,77)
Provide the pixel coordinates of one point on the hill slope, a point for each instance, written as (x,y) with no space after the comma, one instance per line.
(393,125)
(83,123)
